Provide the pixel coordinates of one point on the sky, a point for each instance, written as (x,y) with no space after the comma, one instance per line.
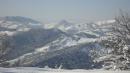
(78,11)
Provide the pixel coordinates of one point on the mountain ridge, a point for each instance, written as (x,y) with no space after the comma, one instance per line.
(40,46)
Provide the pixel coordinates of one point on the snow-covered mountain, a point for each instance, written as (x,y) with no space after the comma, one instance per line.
(13,24)
(63,43)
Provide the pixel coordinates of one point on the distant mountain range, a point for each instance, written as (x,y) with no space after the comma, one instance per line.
(63,43)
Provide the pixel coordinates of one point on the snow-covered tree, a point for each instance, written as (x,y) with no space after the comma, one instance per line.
(117,45)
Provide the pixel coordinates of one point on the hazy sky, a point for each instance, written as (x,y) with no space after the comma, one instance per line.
(56,10)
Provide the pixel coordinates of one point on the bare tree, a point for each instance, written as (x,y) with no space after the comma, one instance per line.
(121,28)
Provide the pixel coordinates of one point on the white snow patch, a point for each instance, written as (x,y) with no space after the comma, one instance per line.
(23,29)
(50,25)
(42,49)
(86,40)
(38,24)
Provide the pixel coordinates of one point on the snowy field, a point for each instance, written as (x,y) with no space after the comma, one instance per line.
(43,70)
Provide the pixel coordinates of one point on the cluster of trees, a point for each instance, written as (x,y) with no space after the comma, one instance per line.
(117,45)
(4,46)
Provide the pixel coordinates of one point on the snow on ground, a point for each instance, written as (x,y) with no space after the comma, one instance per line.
(48,70)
